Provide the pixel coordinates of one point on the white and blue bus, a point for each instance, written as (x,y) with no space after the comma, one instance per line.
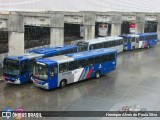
(131,41)
(18,69)
(147,40)
(114,42)
(58,71)
(143,40)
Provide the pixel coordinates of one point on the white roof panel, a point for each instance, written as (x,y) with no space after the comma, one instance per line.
(81,5)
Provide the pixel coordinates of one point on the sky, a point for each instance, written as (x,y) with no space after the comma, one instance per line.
(81,5)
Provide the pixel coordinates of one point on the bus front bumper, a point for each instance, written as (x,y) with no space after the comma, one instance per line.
(17,81)
(44,86)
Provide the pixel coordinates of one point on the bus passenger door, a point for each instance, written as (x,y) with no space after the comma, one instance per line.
(137,43)
(53,76)
(25,71)
(133,41)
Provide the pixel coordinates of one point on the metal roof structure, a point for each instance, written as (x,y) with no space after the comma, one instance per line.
(81,5)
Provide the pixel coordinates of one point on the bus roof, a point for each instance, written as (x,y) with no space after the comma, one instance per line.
(103,39)
(25,56)
(129,35)
(75,56)
(55,59)
(81,55)
(146,34)
(52,50)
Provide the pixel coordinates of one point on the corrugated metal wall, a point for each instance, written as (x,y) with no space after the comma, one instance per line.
(81,5)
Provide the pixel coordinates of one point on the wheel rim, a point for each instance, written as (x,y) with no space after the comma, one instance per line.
(63,84)
(97,75)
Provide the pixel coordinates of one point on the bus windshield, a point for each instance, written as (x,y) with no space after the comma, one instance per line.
(82,46)
(11,67)
(40,71)
(125,39)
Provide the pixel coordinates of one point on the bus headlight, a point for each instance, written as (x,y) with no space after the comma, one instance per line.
(17,81)
(46,86)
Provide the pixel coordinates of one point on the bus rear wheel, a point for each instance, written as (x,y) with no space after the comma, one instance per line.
(63,83)
(97,75)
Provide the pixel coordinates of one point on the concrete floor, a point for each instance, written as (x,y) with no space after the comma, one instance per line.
(135,82)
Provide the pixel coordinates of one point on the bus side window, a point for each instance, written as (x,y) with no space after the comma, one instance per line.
(111,57)
(117,43)
(121,42)
(98,59)
(31,64)
(106,44)
(101,45)
(81,63)
(109,44)
(94,46)
(72,65)
(90,61)
(59,53)
(53,71)
(24,67)
(137,40)
(63,67)
(105,58)
(74,50)
(91,47)
(133,39)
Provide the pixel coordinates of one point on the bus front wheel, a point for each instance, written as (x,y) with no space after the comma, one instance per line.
(97,75)
(63,83)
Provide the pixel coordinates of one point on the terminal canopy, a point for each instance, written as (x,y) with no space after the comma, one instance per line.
(81,5)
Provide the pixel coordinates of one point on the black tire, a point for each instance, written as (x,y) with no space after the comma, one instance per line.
(97,74)
(30,79)
(63,83)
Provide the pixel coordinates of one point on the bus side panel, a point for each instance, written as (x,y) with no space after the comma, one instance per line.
(152,43)
(129,46)
(53,83)
(25,77)
(141,44)
(66,76)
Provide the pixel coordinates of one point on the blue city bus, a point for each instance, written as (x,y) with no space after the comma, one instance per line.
(130,41)
(58,71)
(143,40)
(53,51)
(18,69)
(147,40)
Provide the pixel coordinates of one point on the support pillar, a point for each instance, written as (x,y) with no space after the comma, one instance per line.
(89,32)
(57,30)
(89,26)
(116,25)
(140,23)
(16,43)
(115,29)
(16,34)
(57,36)
(158,26)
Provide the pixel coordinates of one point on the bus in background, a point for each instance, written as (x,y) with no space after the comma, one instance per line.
(147,40)
(58,71)
(130,42)
(114,42)
(53,51)
(18,69)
